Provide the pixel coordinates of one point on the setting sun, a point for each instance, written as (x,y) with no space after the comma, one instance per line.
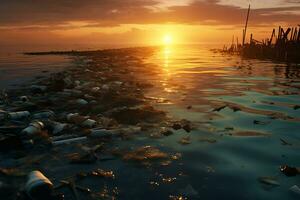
(167,39)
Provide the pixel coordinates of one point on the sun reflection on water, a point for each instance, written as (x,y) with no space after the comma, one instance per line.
(167,56)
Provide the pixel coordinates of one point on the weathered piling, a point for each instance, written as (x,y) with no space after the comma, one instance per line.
(286,46)
(283,47)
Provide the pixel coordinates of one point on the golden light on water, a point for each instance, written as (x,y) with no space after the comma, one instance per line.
(167,41)
(166,53)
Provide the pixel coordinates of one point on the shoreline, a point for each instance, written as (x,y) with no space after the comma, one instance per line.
(108,95)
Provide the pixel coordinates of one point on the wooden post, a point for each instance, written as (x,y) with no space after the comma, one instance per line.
(246,25)
(279,34)
(292,33)
(273,34)
(232,44)
(243,36)
(285,34)
(295,34)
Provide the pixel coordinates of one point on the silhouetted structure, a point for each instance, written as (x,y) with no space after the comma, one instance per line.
(285,46)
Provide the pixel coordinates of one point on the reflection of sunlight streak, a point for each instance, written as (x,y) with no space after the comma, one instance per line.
(166,67)
(167,52)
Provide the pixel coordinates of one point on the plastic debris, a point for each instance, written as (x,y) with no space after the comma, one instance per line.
(289,171)
(145,153)
(76,118)
(284,142)
(81,102)
(84,159)
(174,197)
(295,189)
(218,109)
(43,115)
(89,123)
(38,186)
(82,109)
(73,92)
(68,141)
(24,98)
(59,127)
(33,128)
(185,140)
(209,140)
(18,115)
(268,180)
(187,127)
(95,89)
(38,88)
(102,173)
(176,126)
(101,133)
(166,132)
(296,107)
(81,120)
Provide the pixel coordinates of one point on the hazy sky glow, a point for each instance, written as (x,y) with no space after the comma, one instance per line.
(138,21)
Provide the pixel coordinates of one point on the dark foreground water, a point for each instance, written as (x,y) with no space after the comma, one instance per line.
(246,117)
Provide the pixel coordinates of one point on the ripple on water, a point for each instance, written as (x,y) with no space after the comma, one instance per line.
(259,100)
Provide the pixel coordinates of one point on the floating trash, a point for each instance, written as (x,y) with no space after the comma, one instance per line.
(89,123)
(58,127)
(81,102)
(18,115)
(43,115)
(289,171)
(69,141)
(38,186)
(268,180)
(24,98)
(33,128)
(38,88)
(295,189)
(185,140)
(145,153)
(103,173)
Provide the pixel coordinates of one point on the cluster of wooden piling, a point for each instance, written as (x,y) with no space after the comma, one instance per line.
(283,46)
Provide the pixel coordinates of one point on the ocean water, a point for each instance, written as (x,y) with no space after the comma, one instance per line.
(241,111)
(17,68)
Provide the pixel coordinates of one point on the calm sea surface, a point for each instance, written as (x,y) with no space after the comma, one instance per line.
(242,110)
(16,68)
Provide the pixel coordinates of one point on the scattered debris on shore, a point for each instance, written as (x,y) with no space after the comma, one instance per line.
(74,117)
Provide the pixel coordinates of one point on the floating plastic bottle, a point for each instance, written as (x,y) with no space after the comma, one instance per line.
(33,128)
(18,115)
(38,186)
(43,115)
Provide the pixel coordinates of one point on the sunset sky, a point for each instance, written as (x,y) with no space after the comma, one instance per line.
(139,22)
